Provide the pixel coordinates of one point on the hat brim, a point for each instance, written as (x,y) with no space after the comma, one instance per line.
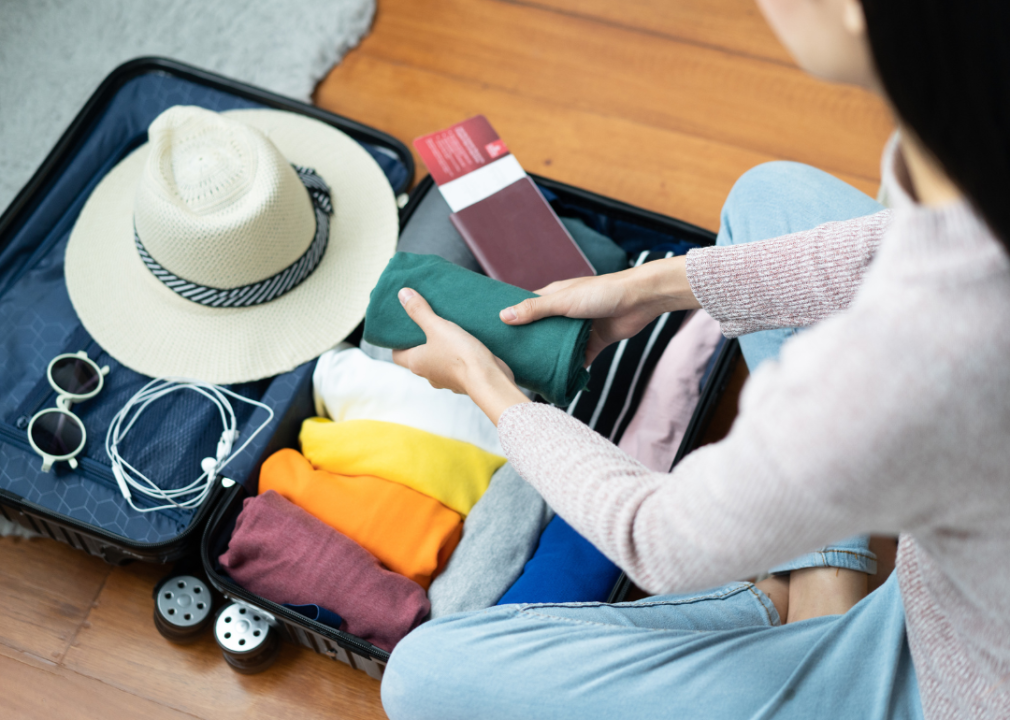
(148,328)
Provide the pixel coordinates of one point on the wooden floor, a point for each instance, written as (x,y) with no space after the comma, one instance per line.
(661,103)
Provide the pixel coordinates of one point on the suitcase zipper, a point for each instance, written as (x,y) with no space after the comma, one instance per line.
(88,468)
(117,541)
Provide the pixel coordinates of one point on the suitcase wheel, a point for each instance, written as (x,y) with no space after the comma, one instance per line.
(182,608)
(247,641)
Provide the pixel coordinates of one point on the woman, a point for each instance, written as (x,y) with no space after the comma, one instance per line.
(889,415)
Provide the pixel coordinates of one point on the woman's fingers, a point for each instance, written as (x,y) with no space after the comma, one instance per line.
(504,368)
(417,360)
(421,313)
(417,309)
(531,309)
(555,286)
(402,357)
(585,297)
(539,307)
(448,350)
(597,343)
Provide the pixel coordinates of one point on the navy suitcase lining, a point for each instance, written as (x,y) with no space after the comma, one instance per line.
(40,323)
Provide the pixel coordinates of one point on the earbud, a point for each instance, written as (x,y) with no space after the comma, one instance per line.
(209,466)
(192,495)
(120,480)
(225,443)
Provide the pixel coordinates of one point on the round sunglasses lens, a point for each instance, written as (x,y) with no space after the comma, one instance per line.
(57,433)
(75,376)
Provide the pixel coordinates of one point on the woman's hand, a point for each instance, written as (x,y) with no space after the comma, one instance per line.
(454,359)
(621,303)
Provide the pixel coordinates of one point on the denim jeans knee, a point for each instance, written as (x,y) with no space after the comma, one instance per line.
(779,198)
(407,673)
(851,554)
(432,671)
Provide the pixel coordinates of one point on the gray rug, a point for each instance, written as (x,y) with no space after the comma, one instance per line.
(54,53)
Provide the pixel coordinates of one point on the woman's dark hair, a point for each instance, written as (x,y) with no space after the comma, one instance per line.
(945,65)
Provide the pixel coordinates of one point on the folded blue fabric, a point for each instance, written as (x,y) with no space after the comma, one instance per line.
(319,614)
(565,568)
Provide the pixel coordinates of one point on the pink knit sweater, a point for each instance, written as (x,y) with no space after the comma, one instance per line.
(892,415)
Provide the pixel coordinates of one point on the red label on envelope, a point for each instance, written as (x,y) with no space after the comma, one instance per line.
(460,149)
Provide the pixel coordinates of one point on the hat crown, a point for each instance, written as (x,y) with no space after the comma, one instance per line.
(217,204)
(205,174)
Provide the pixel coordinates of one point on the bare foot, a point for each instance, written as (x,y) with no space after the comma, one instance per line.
(776,588)
(814,592)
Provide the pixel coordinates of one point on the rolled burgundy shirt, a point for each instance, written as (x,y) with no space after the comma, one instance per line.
(282,553)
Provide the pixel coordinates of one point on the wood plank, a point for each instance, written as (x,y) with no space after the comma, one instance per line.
(47,691)
(733,25)
(46,592)
(769,108)
(663,170)
(121,646)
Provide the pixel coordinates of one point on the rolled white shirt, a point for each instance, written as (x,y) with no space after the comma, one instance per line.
(349,385)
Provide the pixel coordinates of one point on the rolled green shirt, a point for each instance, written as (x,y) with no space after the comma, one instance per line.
(546,356)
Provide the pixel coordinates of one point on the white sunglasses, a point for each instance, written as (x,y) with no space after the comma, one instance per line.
(56,433)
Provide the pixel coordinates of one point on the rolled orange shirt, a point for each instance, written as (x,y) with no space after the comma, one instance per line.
(410,533)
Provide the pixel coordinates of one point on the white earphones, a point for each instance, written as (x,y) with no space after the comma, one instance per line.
(196,492)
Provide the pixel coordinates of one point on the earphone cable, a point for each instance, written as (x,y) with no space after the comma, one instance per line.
(192,495)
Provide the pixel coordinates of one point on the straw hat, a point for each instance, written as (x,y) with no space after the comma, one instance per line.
(231,247)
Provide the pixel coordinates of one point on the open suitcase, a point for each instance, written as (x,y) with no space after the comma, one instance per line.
(264,622)
(37,322)
(81,508)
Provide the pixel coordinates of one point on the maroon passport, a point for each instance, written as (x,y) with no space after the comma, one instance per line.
(517,238)
(504,220)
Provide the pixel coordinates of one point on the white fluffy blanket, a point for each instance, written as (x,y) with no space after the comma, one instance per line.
(54,53)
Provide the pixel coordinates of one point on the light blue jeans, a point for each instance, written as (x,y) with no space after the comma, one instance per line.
(721,654)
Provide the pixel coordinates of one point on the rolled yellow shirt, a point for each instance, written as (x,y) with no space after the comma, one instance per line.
(453,472)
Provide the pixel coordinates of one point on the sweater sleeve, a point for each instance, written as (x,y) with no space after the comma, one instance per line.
(698,527)
(803,466)
(790,281)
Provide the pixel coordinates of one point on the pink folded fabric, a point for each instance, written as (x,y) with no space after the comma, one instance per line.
(659,424)
(280,552)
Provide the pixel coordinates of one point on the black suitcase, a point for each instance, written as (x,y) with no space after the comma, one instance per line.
(266,622)
(37,323)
